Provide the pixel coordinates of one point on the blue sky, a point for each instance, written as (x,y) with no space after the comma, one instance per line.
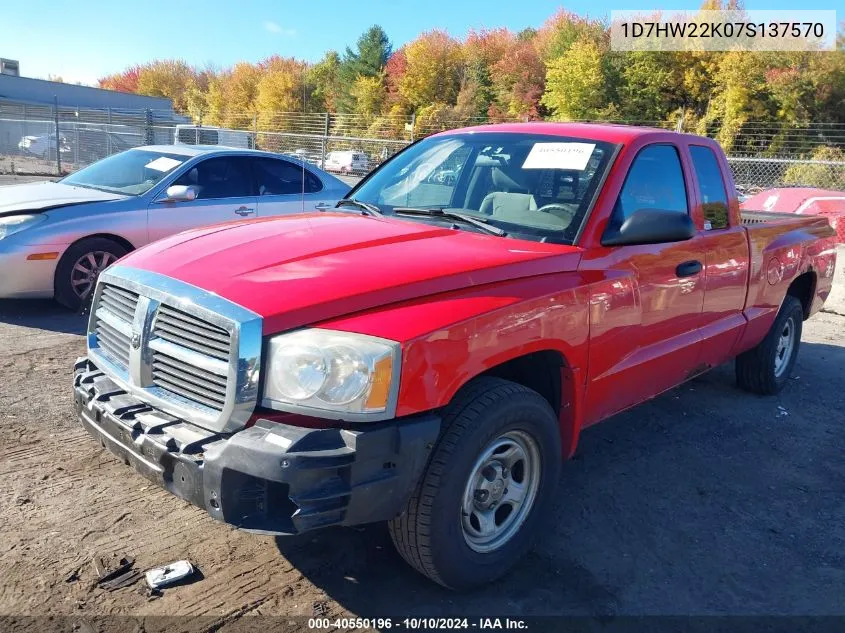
(83,40)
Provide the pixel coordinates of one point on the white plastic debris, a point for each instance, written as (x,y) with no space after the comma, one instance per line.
(159,577)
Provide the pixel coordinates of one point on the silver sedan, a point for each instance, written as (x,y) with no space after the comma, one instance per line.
(56,237)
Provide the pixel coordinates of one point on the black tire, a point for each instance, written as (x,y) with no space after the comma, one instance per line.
(757,369)
(429,533)
(65,275)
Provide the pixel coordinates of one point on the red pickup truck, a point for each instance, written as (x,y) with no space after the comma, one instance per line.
(428,352)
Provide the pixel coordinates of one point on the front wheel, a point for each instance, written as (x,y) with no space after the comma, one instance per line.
(765,369)
(488,489)
(79,268)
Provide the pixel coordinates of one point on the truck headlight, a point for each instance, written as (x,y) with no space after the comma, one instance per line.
(332,374)
(14,223)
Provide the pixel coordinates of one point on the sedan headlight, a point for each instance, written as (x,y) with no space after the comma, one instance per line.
(14,223)
(332,374)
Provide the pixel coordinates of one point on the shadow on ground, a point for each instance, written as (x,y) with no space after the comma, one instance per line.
(705,500)
(43,314)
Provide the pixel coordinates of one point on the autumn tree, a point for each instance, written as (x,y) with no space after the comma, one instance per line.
(170,78)
(369,58)
(280,89)
(648,88)
(394,73)
(324,81)
(519,79)
(740,94)
(434,69)
(562,30)
(231,98)
(370,95)
(125,81)
(575,82)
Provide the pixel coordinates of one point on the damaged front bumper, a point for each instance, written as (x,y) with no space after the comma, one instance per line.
(270,478)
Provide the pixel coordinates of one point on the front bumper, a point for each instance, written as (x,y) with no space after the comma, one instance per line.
(26,279)
(270,478)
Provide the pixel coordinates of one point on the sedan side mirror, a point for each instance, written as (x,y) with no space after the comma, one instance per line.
(180,193)
(651,226)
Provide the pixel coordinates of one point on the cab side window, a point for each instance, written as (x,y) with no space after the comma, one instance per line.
(655,181)
(711,185)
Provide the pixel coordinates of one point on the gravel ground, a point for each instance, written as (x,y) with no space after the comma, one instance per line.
(706,500)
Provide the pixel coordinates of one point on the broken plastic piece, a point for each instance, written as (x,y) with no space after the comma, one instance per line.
(168,574)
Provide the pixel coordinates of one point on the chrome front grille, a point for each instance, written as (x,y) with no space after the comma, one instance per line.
(188,352)
(188,381)
(120,302)
(113,322)
(180,328)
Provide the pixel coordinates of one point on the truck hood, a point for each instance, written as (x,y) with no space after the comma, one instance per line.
(41,196)
(304,269)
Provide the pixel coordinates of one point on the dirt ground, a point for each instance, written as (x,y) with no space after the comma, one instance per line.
(706,500)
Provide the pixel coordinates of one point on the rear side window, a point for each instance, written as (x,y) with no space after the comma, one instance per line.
(655,181)
(280,177)
(712,187)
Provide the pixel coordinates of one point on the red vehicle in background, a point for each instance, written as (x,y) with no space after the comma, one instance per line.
(803,201)
(428,352)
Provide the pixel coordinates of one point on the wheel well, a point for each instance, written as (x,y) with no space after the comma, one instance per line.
(802,288)
(108,236)
(540,371)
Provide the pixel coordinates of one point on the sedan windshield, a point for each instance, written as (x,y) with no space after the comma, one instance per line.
(530,186)
(132,172)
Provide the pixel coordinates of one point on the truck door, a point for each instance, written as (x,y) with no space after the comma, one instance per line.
(725,246)
(644,315)
(224,194)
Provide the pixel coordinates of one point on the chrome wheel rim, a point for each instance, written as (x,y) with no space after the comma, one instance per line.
(785,345)
(501,491)
(86,270)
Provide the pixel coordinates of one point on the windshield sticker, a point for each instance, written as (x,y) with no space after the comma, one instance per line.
(163,163)
(573,156)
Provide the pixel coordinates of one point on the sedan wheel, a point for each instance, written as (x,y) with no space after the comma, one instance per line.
(87,269)
(79,268)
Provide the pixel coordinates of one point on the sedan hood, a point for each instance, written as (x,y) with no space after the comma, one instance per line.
(41,196)
(308,268)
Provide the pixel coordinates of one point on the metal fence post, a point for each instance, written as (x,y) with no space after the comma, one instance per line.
(254,130)
(324,142)
(76,137)
(58,153)
(149,132)
(413,125)
(108,135)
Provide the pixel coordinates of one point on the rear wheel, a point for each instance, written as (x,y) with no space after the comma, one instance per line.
(79,268)
(488,489)
(765,369)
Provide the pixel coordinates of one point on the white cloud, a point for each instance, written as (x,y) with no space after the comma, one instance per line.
(275,29)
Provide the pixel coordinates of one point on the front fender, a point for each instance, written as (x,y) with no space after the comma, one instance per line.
(451,338)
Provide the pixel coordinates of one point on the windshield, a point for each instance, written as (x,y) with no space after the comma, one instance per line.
(531,186)
(132,172)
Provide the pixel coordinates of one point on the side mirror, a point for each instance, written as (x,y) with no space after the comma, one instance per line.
(180,193)
(651,226)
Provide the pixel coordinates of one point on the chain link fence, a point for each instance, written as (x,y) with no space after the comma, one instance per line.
(44,140)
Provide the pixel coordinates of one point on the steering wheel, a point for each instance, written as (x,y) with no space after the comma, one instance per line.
(562,211)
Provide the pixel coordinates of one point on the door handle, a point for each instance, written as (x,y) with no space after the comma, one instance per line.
(244,211)
(688,269)
(322,206)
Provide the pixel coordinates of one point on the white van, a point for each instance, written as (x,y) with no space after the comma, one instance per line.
(210,135)
(348,162)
